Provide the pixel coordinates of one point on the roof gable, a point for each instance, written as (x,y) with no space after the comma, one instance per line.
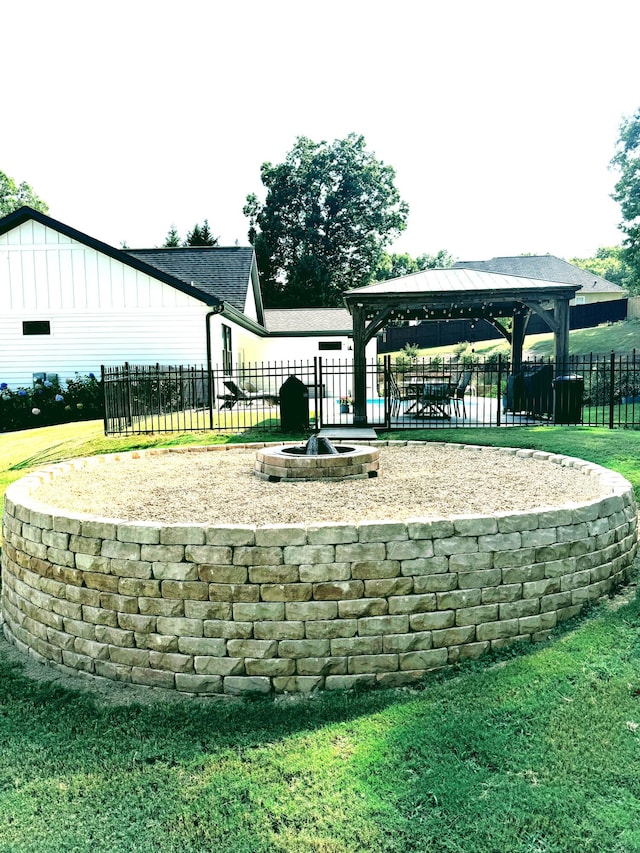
(225,273)
(546,268)
(23,214)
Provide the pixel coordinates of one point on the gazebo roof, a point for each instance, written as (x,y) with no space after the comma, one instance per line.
(463,286)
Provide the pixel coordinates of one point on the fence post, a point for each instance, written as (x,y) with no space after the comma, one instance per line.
(499,389)
(387,390)
(317,382)
(612,374)
(104,397)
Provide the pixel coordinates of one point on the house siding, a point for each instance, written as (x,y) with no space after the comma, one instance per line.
(101,311)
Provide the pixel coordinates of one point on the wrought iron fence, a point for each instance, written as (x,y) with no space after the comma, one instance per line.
(159,398)
(404,393)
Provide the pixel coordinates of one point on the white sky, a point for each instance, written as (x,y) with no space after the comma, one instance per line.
(500,117)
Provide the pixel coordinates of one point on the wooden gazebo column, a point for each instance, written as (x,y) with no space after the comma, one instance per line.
(359,366)
(561,335)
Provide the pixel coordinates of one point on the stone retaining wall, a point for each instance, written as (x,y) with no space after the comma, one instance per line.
(229,609)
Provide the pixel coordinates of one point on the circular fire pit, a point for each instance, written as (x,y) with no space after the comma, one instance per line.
(296,463)
(213,607)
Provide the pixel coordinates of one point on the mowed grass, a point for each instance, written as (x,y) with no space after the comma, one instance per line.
(538,752)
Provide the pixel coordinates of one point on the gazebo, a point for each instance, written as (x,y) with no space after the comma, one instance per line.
(446,294)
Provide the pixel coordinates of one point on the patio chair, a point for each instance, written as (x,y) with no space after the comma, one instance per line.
(458,392)
(398,396)
(237,395)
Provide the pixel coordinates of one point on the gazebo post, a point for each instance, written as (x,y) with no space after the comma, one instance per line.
(561,313)
(517,341)
(359,366)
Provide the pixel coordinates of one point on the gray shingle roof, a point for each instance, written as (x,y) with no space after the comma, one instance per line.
(546,268)
(309,320)
(223,272)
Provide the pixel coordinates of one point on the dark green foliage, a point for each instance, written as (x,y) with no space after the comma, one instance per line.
(13,196)
(329,212)
(397,265)
(201,236)
(608,262)
(627,192)
(172,240)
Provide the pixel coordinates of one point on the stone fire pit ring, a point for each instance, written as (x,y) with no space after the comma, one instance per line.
(286,463)
(233,609)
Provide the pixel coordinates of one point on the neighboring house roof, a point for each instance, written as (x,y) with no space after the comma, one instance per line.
(308,321)
(225,273)
(23,214)
(546,268)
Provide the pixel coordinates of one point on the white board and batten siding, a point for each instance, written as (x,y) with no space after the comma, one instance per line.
(100,310)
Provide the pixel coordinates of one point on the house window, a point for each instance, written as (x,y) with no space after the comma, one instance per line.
(325,345)
(227,355)
(36,327)
(580,300)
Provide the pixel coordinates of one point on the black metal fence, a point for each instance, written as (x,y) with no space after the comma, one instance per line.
(159,398)
(593,390)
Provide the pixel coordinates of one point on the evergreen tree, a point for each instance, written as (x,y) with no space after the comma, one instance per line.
(172,240)
(201,236)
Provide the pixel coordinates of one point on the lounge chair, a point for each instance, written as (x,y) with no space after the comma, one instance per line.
(237,395)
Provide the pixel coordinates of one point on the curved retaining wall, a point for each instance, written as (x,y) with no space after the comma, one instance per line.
(215,609)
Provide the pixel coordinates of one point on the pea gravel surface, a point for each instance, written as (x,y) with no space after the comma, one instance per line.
(432,480)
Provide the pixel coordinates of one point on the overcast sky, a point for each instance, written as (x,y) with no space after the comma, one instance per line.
(500,118)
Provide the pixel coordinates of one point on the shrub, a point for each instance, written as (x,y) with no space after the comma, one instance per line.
(48,403)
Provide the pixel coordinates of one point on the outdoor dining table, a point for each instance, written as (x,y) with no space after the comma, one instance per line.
(430,397)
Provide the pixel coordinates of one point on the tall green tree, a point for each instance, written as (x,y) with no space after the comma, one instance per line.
(13,196)
(627,192)
(396,265)
(201,236)
(330,210)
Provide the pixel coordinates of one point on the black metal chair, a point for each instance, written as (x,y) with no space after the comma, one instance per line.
(458,392)
(398,396)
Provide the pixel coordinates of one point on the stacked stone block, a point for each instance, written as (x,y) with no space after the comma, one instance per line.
(234,609)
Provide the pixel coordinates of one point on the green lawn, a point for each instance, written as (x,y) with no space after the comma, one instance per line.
(536,753)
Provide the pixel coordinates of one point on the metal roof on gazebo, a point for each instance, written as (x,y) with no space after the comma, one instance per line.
(466,287)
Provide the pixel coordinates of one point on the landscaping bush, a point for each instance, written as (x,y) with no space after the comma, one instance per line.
(49,402)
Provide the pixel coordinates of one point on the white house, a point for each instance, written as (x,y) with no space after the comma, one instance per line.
(71,303)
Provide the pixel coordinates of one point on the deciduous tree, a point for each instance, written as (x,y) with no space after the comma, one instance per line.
(13,196)
(608,262)
(627,192)
(330,210)
(397,265)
